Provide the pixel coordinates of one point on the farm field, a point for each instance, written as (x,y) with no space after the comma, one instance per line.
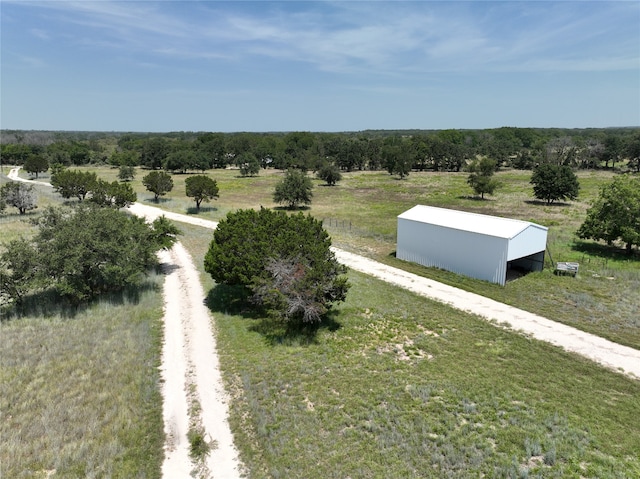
(397,385)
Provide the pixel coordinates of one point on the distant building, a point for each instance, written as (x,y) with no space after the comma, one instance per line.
(480,246)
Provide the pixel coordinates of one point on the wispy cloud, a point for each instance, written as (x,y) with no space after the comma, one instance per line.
(376,38)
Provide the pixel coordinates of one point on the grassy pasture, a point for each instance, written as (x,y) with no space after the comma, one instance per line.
(79,392)
(360,214)
(400,386)
(395,385)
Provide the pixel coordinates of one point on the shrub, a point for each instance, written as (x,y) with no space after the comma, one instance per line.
(284,262)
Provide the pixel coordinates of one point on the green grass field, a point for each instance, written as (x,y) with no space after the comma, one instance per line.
(399,386)
(361,212)
(394,386)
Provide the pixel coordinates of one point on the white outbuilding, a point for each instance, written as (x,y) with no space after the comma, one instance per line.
(480,246)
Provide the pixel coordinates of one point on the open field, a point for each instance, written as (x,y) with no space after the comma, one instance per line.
(360,214)
(395,385)
(400,386)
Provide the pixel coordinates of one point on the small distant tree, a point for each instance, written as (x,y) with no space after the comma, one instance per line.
(126,173)
(35,164)
(159,183)
(201,188)
(481,176)
(330,174)
(19,195)
(73,183)
(554,182)
(114,194)
(283,261)
(248,164)
(615,214)
(294,189)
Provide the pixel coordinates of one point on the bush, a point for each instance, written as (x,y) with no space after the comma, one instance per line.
(83,252)
(284,262)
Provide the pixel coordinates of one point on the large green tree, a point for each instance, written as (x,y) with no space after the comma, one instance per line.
(35,164)
(284,262)
(159,183)
(294,189)
(114,194)
(73,183)
(20,195)
(553,182)
(201,188)
(82,252)
(615,215)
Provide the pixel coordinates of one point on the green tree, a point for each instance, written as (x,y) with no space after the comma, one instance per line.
(154,153)
(114,194)
(19,195)
(73,183)
(283,261)
(124,158)
(126,173)
(633,152)
(35,164)
(481,176)
(553,182)
(180,161)
(82,252)
(294,189)
(201,188)
(248,164)
(159,183)
(330,174)
(615,215)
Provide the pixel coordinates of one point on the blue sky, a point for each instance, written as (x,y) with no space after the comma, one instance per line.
(318,66)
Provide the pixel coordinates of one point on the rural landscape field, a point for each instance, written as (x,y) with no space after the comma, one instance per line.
(390,384)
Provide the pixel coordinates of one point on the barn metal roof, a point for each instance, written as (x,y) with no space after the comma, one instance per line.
(465,221)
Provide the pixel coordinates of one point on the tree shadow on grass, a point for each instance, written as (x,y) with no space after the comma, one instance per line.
(555,204)
(474,198)
(605,251)
(233,300)
(158,202)
(286,208)
(192,210)
(49,303)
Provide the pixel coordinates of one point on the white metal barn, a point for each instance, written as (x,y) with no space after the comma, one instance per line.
(480,246)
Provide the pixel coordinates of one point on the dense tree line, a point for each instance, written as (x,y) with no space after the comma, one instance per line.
(398,152)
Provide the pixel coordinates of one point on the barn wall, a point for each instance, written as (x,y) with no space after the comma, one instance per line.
(463,252)
(531,240)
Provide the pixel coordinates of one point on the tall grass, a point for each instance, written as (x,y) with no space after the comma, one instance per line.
(399,386)
(79,393)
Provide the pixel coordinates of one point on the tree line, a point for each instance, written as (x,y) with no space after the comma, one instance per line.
(397,152)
